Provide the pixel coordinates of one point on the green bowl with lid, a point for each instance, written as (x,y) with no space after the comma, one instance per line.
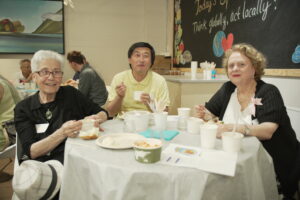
(147,150)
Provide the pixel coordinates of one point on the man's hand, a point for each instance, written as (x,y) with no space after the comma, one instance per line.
(121,90)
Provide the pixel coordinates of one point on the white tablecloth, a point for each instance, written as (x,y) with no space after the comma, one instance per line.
(91,172)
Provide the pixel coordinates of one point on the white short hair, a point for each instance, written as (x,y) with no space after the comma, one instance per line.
(45,54)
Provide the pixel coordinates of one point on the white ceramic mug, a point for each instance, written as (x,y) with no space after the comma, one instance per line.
(137,95)
(208,133)
(232,141)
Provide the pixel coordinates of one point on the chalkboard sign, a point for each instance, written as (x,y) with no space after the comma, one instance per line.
(204,29)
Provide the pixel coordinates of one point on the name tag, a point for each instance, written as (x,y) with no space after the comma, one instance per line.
(41,128)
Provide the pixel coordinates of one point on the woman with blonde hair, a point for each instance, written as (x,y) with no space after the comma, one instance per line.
(257,109)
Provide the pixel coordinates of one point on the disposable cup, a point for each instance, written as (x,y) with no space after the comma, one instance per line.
(193,125)
(141,121)
(232,141)
(183,112)
(160,120)
(208,133)
(87,124)
(137,95)
(194,66)
(136,120)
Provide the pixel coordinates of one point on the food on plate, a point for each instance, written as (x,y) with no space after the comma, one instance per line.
(70,82)
(108,141)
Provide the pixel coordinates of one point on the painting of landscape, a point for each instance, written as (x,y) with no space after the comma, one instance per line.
(31,25)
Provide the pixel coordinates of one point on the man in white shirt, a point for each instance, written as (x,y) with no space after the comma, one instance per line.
(25,75)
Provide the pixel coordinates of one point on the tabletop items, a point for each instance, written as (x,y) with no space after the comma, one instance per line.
(208,160)
(208,70)
(88,130)
(116,174)
(161,126)
(147,150)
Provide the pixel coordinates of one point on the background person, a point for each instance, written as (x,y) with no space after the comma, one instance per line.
(90,83)
(9,97)
(139,77)
(25,76)
(258,110)
(46,119)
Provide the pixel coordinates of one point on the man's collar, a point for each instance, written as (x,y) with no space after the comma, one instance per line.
(144,82)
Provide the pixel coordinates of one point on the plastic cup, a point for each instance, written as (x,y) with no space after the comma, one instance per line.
(193,125)
(183,112)
(232,141)
(160,120)
(194,66)
(208,133)
(141,121)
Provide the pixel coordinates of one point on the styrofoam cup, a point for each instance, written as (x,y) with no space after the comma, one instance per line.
(160,120)
(232,141)
(183,112)
(208,133)
(141,121)
(193,125)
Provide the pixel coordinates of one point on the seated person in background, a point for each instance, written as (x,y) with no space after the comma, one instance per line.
(9,97)
(139,77)
(258,109)
(76,75)
(90,83)
(46,119)
(25,76)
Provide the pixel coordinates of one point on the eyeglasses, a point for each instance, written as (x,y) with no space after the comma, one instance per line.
(45,73)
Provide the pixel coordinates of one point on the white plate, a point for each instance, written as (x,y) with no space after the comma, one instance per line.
(118,140)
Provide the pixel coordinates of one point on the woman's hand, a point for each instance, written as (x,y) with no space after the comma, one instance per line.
(99,118)
(203,113)
(71,128)
(224,128)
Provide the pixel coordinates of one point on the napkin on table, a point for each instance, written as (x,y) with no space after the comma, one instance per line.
(167,134)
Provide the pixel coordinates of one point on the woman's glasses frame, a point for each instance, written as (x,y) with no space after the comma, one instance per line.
(46,73)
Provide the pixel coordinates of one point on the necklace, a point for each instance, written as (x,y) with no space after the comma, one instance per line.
(49,108)
(48,114)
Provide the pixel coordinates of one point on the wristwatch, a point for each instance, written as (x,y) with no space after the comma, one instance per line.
(247,130)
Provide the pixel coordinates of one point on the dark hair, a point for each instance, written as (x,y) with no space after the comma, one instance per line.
(76,56)
(142,44)
(25,60)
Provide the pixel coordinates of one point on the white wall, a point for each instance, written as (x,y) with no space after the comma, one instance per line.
(103,30)
(290,91)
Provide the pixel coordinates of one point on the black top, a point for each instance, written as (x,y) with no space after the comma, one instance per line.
(283,146)
(69,104)
(92,85)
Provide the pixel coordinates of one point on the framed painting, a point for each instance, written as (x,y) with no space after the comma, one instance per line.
(31,25)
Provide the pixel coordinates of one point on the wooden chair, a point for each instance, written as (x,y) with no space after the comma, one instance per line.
(9,153)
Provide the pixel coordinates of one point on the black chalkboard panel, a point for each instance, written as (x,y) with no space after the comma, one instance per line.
(204,29)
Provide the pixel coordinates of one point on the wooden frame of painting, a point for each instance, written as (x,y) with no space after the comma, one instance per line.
(31,25)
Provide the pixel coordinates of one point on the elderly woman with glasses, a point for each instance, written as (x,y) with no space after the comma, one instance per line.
(46,119)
